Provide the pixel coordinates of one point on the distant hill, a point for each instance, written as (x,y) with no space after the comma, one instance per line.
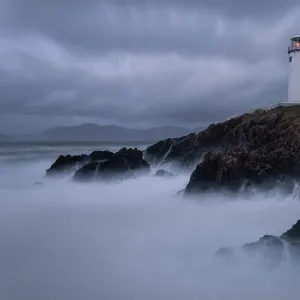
(94,132)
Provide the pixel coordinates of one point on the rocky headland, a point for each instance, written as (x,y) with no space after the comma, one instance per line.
(256,149)
(259,148)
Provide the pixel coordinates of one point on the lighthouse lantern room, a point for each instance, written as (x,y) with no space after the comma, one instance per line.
(294,70)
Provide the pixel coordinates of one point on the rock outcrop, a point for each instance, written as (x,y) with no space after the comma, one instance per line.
(241,167)
(260,148)
(125,163)
(170,150)
(270,250)
(66,164)
(100,155)
(70,163)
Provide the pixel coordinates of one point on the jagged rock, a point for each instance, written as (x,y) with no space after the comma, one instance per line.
(70,163)
(67,163)
(270,250)
(189,149)
(293,234)
(163,173)
(87,172)
(123,164)
(100,155)
(176,149)
(233,168)
(261,148)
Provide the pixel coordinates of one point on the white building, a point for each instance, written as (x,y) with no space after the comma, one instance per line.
(294,70)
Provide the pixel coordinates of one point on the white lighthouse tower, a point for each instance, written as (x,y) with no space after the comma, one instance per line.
(294,70)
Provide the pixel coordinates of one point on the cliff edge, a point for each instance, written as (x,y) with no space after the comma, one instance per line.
(256,148)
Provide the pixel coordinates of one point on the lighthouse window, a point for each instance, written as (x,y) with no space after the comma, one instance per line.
(290,59)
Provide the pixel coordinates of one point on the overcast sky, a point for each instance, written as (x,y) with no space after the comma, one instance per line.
(140,63)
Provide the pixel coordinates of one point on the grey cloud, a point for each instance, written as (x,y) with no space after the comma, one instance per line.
(180,92)
(236,8)
(141,62)
(143,25)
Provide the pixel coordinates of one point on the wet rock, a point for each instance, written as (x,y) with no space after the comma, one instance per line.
(87,172)
(232,169)
(293,234)
(66,164)
(261,148)
(125,163)
(169,150)
(269,250)
(100,155)
(70,163)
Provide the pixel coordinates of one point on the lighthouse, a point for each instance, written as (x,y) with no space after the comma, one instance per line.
(294,70)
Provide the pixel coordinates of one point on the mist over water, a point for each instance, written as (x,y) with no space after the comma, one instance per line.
(132,240)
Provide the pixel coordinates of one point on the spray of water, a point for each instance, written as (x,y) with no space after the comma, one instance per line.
(136,240)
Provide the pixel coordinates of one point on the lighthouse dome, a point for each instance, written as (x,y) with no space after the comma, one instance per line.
(296,37)
(294,70)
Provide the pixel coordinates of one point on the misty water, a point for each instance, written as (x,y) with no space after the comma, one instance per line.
(130,240)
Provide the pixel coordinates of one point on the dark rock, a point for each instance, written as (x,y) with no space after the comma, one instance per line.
(229,170)
(261,148)
(123,164)
(176,149)
(100,155)
(293,234)
(251,130)
(87,172)
(270,250)
(232,169)
(67,163)
(163,173)
(70,163)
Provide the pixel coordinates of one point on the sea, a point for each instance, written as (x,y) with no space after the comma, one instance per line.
(135,240)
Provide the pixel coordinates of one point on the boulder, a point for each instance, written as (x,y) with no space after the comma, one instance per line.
(123,164)
(66,164)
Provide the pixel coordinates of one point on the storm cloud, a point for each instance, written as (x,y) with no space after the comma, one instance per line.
(140,63)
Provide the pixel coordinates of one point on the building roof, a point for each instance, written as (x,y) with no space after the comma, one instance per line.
(297,36)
